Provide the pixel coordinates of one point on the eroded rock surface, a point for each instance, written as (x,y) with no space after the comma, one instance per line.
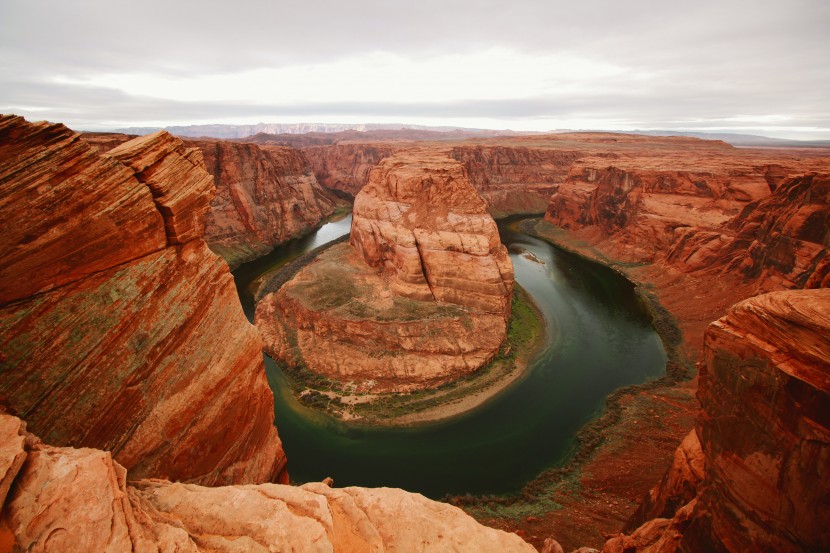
(764,432)
(121,330)
(421,296)
(265,195)
(515,179)
(66,499)
(346,167)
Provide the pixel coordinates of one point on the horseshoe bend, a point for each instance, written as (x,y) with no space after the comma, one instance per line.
(138,410)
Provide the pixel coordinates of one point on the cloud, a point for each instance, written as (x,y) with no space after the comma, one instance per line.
(529,64)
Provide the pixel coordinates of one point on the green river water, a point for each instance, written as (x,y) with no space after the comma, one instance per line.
(598,339)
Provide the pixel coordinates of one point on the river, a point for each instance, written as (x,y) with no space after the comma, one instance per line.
(599,339)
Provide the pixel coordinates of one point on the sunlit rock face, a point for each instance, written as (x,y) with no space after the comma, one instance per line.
(120,329)
(421,296)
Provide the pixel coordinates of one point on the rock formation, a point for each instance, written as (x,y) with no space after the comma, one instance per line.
(421,222)
(120,329)
(65,499)
(422,295)
(780,241)
(264,197)
(346,167)
(515,179)
(720,218)
(764,433)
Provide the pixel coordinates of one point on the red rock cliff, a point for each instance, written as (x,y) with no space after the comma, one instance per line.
(515,179)
(781,241)
(265,195)
(120,329)
(346,167)
(764,432)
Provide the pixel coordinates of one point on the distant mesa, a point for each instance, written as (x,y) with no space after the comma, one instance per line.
(420,296)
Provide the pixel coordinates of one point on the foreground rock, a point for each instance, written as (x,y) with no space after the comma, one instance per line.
(265,196)
(66,499)
(120,329)
(421,296)
(764,432)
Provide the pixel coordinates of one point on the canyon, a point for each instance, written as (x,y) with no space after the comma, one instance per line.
(126,350)
(265,195)
(125,347)
(420,296)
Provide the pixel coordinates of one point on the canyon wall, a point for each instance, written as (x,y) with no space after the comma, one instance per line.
(780,242)
(511,179)
(725,217)
(120,329)
(764,435)
(421,296)
(515,179)
(265,195)
(65,499)
(346,167)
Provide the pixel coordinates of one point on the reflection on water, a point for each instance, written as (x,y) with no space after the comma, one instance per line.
(599,340)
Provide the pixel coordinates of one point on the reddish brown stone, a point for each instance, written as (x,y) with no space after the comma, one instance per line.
(265,196)
(143,353)
(67,212)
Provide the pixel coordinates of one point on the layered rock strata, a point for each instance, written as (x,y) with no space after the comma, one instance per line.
(718,217)
(515,179)
(422,294)
(120,329)
(265,196)
(780,242)
(764,433)
(65,499)
(346,167)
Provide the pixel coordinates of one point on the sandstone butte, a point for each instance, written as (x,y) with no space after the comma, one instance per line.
(265,195)
(420,296)
(120,329)
(754,474)
(67,499)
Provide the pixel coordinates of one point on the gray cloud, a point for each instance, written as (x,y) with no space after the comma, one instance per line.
(707,61)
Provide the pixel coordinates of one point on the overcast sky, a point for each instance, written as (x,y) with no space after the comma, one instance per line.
(754,66)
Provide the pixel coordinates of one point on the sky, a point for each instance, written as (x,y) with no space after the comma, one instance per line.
(756,67)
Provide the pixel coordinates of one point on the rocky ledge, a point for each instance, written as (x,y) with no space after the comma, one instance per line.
(421,295)
(65,499)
